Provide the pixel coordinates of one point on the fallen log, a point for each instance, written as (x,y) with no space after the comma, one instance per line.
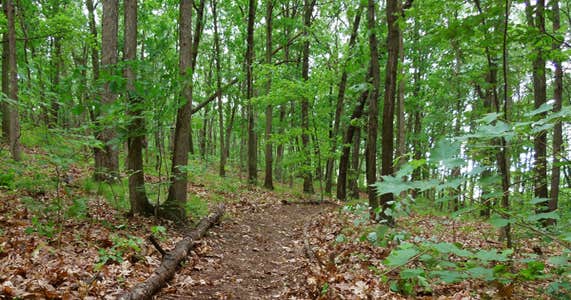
(172,259)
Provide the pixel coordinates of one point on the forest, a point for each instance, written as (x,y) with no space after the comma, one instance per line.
(285,149)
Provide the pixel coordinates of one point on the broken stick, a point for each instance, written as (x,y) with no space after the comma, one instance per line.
(172,259)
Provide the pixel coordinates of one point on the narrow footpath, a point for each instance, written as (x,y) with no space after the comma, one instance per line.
(256,253)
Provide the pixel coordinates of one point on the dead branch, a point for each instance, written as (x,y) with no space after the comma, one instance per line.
(172,259)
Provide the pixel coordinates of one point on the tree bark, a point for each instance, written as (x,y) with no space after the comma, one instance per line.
(401,128)
(355,168)
(57,62)
(107,157)
(268,178)
(539,98)
(213,97)
(394,32)
(503,155)
(340,102)
(347,139)
(373,118)
(558,129)
(222,163)
(171,261)
(137,193)
(306,168)
(12,121)
(177,190)
(252,157)
(5,82)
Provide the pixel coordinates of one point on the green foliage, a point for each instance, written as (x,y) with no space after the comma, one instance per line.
(121,247)
(450,263)
(78,209)
(196,206)
(7,179)
(159,231)
(47,229)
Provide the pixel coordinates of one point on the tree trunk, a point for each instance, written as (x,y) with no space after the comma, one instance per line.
(306,168)
(503,155)
(373,118)
(279,169)
(177,190)
(539,98)
(347,139)
(5,83)
(401,128)
(222,166)
(558,129)
(394,32)
(252,157)
(172,260)
(12,121)
(57,62)
(280,172)
(268,179)
(340,102)
(229,126)
(203,131)
(107,157)
(137,193)
(355,168)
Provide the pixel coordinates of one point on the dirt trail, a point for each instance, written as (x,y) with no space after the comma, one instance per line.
(256,253)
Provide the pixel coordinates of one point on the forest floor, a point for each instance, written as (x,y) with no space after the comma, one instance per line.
(72,242)
(256,253)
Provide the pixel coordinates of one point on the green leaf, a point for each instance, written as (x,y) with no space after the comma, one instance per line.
(538,200)
(411,273)
(488,255)
(446,152)
(497,221)
(448,276)
(481,273)
(391,184)
(489,118)
(451,248)
(559,261)
(400,257)
(549,215)
(545,107)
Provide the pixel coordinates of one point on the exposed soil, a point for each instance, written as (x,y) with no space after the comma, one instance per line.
(256,253)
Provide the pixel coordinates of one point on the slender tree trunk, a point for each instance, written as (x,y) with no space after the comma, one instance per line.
(57,62)
(222,166)
(252,158)
(539,98)
(503,155)
(373,118)
(279,169)
(347,139)
(355,168)
(393,12)
(229,126)
(5,82)
(107,157)
(307,173)
(268,179)
(558,129)
(340,103)
(137,193)
(93,31)
(203,132)
(401,128)
(12,122)
(177,190)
